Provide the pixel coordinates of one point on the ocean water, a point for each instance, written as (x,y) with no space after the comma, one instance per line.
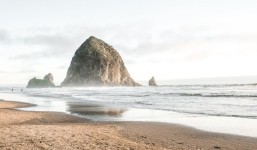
(217,108)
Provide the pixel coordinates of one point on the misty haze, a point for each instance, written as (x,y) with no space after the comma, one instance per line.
(119,74)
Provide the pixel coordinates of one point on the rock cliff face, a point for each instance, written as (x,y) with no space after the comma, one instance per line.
(49,77)
(96,63)
(152,82)
(41,83)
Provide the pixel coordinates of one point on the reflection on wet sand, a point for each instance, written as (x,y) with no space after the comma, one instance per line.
(92,109)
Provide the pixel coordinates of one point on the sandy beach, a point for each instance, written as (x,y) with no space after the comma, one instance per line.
(52,130)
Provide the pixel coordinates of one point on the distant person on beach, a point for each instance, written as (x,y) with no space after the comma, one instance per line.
(12,90)
(21,90)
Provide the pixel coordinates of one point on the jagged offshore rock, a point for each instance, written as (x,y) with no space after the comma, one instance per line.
(152,82)
(41,83)
(49,77)
(96,63)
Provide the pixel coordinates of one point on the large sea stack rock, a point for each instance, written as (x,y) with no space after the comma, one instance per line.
(96,63)
(41,83)
(152,82)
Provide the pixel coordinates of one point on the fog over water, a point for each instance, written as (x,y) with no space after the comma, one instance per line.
(202,54)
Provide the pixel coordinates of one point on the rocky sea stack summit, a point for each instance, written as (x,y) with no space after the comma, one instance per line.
(48,81)
(96,63)
(152,82)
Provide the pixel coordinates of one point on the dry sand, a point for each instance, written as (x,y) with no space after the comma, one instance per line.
(49,130)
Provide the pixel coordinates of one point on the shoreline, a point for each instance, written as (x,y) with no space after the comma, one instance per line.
(86,103)
(43,130)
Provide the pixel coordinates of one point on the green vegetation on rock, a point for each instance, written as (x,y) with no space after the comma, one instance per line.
(97,63)
(41,83)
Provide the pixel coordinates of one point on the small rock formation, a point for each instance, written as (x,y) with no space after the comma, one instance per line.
(96,63)
(49,77)
(41,83)
(152,82)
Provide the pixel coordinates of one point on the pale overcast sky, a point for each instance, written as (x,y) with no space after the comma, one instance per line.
(170,39)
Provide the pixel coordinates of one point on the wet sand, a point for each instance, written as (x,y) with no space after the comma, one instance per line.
(51,130)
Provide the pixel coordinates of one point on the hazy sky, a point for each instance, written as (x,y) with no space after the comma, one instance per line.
(170,39)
